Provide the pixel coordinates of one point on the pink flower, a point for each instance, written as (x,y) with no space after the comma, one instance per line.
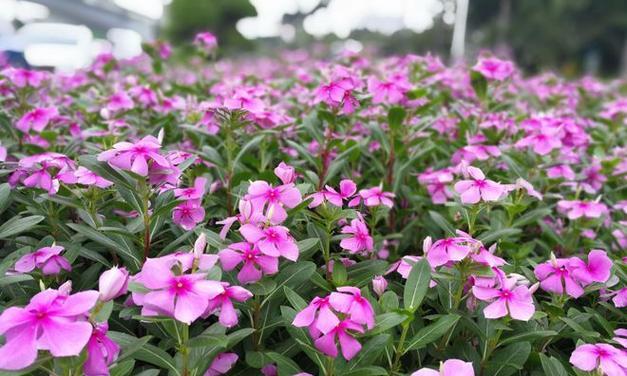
(51,321)
(101,352)
(596,270)
(24,77)
(36,119)
(286,173)
(610,360)
(349,345)
(223,303)
(436,183)
(473,191)
(451,367)
(48,259)
(113,283)
(273,241)
(620,300)
(184,297)
(375,196)
(349,300)
(556,275)
(506,298)
(620,336)
(445,250)
(326,320)
(120,100)
(347,189)
(260,194)
(379,285)
(494,69)
(360,239)
(560,171)
(135,157)
(391,92)
(221,364)
(194,193)
(88,177)
(255,263)
(577,208)
(337,93)
(542,141)
(188,214)
(206,40)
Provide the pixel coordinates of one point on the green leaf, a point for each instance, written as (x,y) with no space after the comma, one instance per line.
(480,84)
(396,115)
(367,371)
(552,366)
(5,196)
(295,300)
(417,285)
(491,236)
(432,332)
(528,336)
(508,360)
(17,225)
(146,353)
(206,340)
(292,276)
(285,365)
(132,346)
(442,223)
(116,245)
(370,352)
(531,217)
(387,321)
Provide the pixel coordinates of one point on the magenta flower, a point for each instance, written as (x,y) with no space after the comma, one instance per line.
(188,214)
(221,364)
(391,92)
(347,189)
(506,299)
(135,157)
(556,276)
(255,263)
(349,345)
(560,171)
(184,297)
(36,119)
(324,322)
(273,241)
(223,303)
(577,208)
(47,259)
(101,352)
(437,184)
(349,301)
(88,177)
(542,141)
(24,77)
(285,172)
(360,239)
(260,194)
(375,196)
(451,367)
(608,359)
(51,321)
(478,188)
(620,299)
(494,69)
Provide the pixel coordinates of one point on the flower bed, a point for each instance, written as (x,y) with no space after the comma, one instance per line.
(361,216)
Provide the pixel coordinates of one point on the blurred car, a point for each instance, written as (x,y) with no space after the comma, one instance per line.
(59,46)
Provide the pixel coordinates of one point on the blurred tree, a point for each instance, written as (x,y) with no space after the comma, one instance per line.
(187,17)
(572,35)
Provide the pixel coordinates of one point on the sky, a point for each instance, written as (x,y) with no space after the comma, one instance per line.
(341,17)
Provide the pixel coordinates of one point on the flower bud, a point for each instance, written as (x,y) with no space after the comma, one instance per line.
(285,172)
(379,284)
(199,245)
(113,283)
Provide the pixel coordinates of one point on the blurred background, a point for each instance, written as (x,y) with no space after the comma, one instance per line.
(570,36)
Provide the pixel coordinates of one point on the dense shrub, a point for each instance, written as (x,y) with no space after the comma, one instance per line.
(361,216)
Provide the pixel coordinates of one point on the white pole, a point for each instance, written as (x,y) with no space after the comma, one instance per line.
(459,30)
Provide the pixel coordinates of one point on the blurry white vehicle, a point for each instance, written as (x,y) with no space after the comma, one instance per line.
(63,47)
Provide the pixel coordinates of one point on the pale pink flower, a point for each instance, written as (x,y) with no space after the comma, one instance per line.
(560,171)
(188,214)
(445,250)
(36,119)
(451,367)
(120,100)
(285,172)
(379,285)
(576,208)
(135,157)
(478,188)
(112,283)
(324,322)
(47,259)
(101,352)
(88,177)
(556,275)
(347,190)
(494,69)
(221,364)
(194,193)
(274,199)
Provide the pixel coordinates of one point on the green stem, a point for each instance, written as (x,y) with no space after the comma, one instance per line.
(400,348)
